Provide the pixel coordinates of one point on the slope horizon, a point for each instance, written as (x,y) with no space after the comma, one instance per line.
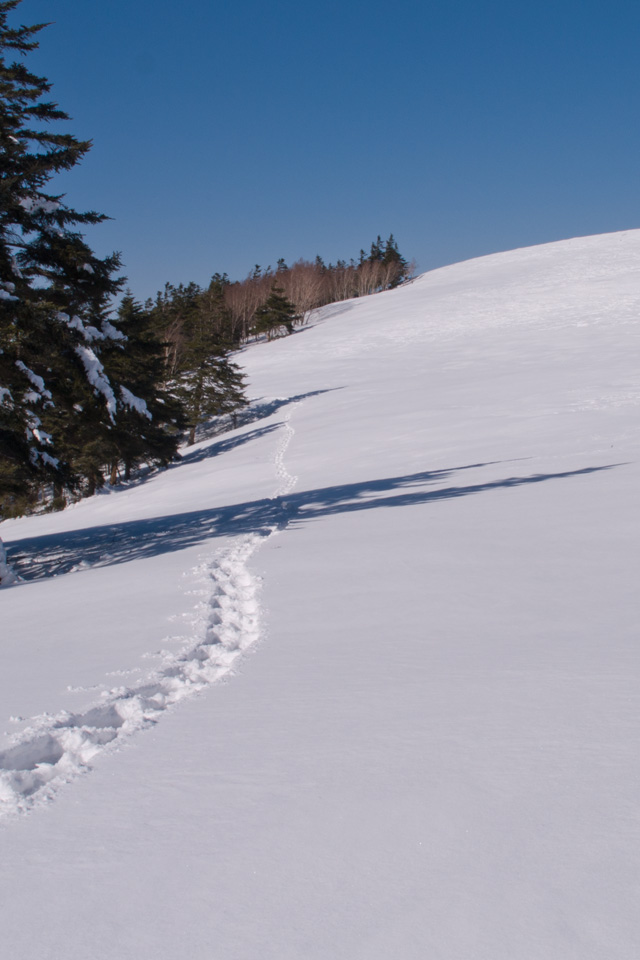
(271,261)
(496,126)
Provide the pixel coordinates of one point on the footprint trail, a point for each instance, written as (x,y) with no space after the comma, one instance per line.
(53,750)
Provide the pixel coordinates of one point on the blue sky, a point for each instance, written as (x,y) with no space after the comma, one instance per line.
(229,134)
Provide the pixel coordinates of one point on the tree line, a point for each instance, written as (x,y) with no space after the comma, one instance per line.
(272,302)
(89,392)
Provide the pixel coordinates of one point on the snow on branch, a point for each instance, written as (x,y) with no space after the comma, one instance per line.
(7,292)
(41,435)
(108,332)
(34,429)
(47,458)
(135,403)
(34,380)
(97,378)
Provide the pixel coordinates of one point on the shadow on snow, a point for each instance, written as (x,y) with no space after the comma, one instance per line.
(258,409)
(191,455)
(41,557)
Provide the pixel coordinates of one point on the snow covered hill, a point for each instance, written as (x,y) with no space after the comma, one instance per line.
(398,609)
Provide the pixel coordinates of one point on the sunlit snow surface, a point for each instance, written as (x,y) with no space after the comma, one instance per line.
(397,610)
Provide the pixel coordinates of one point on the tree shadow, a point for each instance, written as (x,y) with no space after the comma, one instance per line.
(258,409)
(38,558)
(224,446)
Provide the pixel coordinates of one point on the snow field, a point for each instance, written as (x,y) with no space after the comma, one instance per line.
(434,752)
(51,751)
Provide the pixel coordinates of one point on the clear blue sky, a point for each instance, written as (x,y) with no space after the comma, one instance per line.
(233,133)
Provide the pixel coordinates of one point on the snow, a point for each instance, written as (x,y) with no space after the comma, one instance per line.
(41,435)
(47,458)
(130,400)
(34,379)
(74,322)
(57,748)
(359,678)
(109,332)
(97,377)
(100,382)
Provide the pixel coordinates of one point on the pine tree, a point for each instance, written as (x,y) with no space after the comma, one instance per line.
(148,430)
(377,254)
(210,383)
(275,314)
(397,266)
(54,292)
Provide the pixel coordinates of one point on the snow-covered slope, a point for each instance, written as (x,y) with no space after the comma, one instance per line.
(427,538)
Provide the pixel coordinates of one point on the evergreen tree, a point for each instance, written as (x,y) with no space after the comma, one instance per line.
(210,383)
(377,253)
(394,259)
(148,430)
(53,290)
(275,314)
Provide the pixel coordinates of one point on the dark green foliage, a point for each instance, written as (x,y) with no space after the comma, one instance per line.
(377,253)
(397,266)
(147,431)
(53,290)
(78,398)
(208,384)
(276,314)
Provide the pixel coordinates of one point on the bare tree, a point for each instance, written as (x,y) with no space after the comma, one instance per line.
(244,297)
(303,286)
